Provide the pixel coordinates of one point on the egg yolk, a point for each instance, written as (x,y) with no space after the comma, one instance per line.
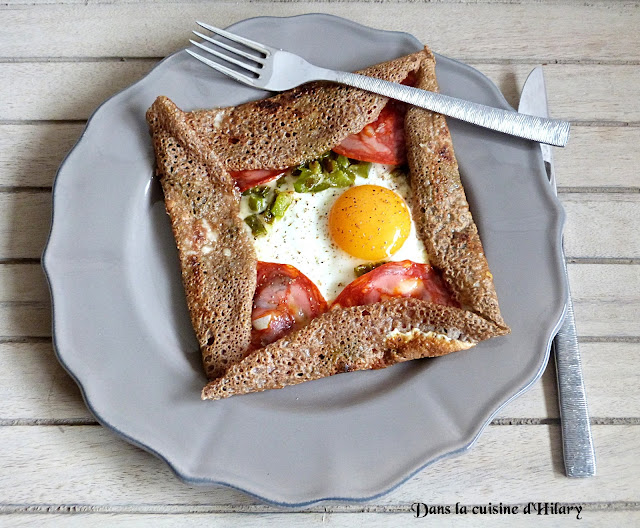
(369,222)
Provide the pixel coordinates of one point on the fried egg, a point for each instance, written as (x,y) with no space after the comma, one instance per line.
(328,233)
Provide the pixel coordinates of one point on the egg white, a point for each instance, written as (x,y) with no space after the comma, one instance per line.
(302,238)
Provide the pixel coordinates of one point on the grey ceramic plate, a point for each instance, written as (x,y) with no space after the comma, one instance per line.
(122,330)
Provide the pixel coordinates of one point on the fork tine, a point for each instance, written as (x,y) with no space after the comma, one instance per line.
(224,57)
(237,51)
(236,38)
(223,69)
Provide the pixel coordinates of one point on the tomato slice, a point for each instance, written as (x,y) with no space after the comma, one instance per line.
(396,279)
(381,141)
(285,300)
(246,179)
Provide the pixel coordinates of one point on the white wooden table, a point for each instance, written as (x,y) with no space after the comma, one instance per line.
(61,59)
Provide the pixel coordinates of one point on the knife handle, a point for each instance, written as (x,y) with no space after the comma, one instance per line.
(540,129)
(577,444)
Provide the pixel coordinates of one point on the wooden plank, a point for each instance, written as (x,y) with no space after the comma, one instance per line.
(597,289)
(31,154)
(24,301)
(577,92)
(592,95)
(71,91)
(18,3)
(23,283)
(24,224)
(599,157)
(28,319)
(597,82)
(610,380)
(588,518)
(592,229)
(535,31)
(88,465)
(601,363)
(595,156)
(594,226)
(606,299)
(34,387)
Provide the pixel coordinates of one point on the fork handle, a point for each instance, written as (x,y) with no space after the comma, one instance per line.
(549,131)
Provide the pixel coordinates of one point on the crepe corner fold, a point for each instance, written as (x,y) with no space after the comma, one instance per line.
(217,258)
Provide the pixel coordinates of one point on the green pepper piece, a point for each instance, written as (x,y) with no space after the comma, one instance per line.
(256,225)
(303,184)
(342,161)
(320,186)
(361,169)
(307,181)
(256,203)
(281,204)
(268,217)
(329,164)
(259,190)
(282,180)
(262,190)
(315,167)
(340,178)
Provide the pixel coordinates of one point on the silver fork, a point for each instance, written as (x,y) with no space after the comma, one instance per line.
(277,70)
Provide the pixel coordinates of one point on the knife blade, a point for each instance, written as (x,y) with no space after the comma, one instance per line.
(577,441)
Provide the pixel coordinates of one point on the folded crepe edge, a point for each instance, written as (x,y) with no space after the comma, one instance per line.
(217,256)
(440,208)
(364,337)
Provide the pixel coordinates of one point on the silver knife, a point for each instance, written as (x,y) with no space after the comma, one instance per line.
(577,442)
